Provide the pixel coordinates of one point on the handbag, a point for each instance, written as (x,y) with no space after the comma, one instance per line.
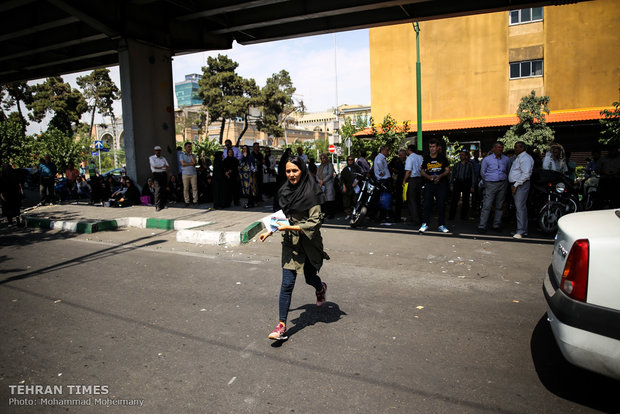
(405,187)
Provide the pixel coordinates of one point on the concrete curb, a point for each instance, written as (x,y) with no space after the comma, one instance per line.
(71,226)
(219,237)
(186,229)
(250,231)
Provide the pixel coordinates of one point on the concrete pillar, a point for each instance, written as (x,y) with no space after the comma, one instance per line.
(148,107)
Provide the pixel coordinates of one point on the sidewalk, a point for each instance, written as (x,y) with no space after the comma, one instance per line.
(201,225)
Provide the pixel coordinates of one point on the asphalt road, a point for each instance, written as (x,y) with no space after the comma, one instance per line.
(413,324)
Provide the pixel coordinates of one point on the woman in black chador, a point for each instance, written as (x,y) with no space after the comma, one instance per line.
(232,179)
(221,199)
(11,193)
(302,245)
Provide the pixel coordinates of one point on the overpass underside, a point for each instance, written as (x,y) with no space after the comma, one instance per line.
(41,38)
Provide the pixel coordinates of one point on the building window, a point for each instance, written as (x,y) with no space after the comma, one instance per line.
(533,14)
(526,69)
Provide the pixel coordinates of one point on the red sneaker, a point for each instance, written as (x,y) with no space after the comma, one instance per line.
(279,333)
(320,296)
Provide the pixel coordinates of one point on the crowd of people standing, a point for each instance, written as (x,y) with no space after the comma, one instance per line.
(475,187)
(483,187)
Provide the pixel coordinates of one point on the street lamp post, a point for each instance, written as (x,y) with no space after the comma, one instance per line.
(418,78)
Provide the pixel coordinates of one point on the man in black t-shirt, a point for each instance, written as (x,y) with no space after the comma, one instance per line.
(435,171)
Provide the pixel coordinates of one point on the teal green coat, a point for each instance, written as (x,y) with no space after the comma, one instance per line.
(307,244)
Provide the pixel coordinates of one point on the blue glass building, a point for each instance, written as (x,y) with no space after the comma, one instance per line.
(187,91)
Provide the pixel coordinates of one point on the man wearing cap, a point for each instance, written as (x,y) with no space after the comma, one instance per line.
(159,168)
(461,184)
(189,174)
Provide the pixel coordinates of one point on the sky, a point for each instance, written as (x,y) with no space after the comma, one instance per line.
(312,63)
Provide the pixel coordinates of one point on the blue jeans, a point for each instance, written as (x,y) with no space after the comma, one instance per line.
(288,283)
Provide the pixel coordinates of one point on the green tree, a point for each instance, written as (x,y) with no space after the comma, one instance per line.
(311,147)
(532,127)
(610,135)
(352,126)
(3,116)
(17,93)
(62,147)
(56,97)
(452,150)
(185,119)
(100,93)
(224,93)
(389,134)
(243,104)
(14,147)
(276,99)
(206,148)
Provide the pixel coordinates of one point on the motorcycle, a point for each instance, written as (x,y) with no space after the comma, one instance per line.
(588,192)
(367,199)
(554,196)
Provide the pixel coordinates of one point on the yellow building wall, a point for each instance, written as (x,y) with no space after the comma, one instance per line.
(462,64)
(582,54)
(465,63)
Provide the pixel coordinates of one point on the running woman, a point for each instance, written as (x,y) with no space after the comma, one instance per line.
(302,245)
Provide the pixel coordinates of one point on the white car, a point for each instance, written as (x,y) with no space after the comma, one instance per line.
(582,289)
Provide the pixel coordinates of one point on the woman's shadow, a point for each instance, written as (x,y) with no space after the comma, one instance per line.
(328,313)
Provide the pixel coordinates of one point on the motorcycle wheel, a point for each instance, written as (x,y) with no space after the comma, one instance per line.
(358,218)
(588,204)
(548,218)
(572,206)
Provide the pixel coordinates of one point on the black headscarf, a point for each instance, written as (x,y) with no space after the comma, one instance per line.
(303,195)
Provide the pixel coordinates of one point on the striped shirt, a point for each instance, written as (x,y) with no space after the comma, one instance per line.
(462,172)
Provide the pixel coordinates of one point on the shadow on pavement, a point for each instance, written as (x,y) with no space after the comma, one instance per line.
(292,363)
(101,254)
(566,380)
(460,231)
(21,236)
(328,313)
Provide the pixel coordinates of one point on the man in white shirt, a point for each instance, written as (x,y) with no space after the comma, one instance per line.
(414,187)
(382,173)
(159,168)
(380,165)
(519,179)
(189,174)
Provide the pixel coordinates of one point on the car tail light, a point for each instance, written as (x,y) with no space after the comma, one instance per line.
(575,275)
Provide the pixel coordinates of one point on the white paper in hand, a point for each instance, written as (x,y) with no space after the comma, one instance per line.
(275,220)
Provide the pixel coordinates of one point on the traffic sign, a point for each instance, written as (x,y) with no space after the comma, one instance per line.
(105,149)
(332,148)
(347,142)
(94,153)
(98,144)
